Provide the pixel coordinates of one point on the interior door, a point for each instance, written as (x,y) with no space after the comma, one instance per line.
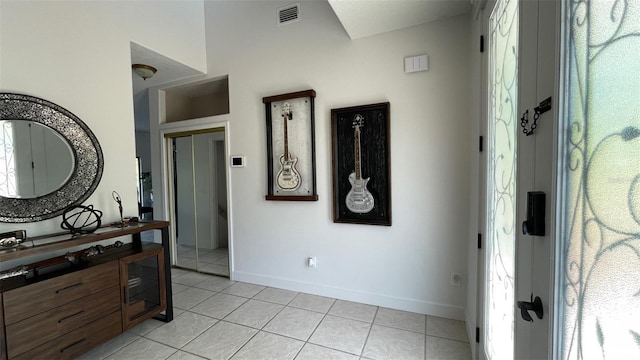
(522,59)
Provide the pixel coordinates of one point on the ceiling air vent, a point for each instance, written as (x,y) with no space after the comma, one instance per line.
(288,14)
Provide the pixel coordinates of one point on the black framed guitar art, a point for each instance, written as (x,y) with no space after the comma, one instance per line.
(361,166)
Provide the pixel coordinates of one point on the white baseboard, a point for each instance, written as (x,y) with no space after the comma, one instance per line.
(393,302)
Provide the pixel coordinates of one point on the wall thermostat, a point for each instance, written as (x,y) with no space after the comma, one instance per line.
(238,160)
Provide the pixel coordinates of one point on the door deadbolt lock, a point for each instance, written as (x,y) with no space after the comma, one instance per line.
(534,304)
(534,225)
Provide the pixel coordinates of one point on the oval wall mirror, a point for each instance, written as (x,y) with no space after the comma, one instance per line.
(49,159)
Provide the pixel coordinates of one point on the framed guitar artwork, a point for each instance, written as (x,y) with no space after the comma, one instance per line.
(291,157)
(361,164)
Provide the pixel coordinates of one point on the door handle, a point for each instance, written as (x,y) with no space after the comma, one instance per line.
(534,304)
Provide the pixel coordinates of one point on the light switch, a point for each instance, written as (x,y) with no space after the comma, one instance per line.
(408,64)
(416,63)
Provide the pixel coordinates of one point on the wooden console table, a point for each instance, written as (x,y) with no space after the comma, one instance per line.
(100,267)
(48,243)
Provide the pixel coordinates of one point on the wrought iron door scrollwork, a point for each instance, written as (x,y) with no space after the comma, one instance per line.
(601,183)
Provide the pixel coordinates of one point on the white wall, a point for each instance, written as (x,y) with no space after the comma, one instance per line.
(405,266)
(77,54)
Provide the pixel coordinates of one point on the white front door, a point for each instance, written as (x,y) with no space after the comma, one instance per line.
(537,162)
(584,156)
(522,58)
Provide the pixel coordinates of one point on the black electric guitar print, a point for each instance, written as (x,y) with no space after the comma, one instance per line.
(359,200)
(288,178)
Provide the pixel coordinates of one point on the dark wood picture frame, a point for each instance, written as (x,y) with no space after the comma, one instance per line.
(360,136)
(291,155)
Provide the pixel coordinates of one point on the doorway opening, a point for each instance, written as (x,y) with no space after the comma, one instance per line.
(198,200)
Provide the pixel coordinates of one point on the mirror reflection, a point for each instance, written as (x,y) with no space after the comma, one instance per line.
(34,160)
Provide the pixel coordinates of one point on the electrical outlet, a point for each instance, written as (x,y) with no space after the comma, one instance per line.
(311,262)
(456,279)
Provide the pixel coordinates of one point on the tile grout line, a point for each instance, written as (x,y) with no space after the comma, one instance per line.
(324,316)
(197,336)
(243,345)
(369,333)
(446,338)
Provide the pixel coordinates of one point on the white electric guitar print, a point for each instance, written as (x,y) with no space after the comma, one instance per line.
(288,178)
(359,200)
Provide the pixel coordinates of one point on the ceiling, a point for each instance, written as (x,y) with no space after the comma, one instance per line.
(168,69)
(362,18)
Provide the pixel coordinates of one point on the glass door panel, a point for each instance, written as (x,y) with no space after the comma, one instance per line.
(185,202)
(600,170)
(501,196)
(143,284)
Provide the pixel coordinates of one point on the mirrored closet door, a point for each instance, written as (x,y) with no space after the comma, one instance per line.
(200,201)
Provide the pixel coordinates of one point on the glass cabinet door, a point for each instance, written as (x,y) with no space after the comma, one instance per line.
(142,277)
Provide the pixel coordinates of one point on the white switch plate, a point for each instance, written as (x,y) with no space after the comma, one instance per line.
(416,63)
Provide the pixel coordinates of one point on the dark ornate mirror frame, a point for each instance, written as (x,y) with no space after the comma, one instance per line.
(86,150)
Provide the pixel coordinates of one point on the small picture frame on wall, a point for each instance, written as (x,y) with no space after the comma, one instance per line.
(361,164)
(291,157)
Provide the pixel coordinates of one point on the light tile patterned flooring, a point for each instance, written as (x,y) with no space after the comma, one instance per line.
(216,318)
(214,261)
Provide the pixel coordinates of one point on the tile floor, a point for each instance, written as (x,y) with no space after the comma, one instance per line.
(216,318)
(214,261)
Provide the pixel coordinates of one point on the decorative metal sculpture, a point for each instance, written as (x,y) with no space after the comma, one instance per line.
(81,219)
(116,198)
